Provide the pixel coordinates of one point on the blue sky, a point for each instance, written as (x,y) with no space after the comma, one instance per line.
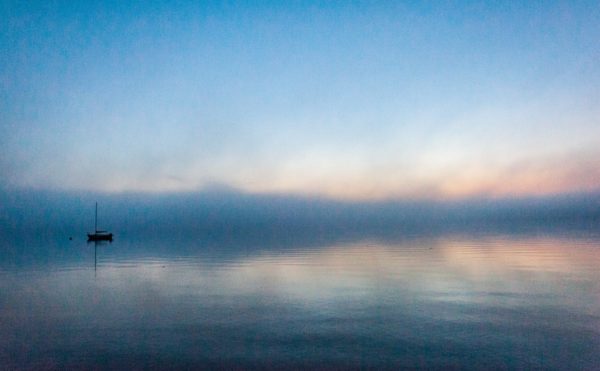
(350,100)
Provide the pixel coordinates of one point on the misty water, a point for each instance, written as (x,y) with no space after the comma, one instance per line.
(500,296)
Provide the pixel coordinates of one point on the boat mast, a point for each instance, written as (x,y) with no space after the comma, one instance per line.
(96,219)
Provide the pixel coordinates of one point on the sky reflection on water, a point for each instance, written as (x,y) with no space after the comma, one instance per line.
(450,301)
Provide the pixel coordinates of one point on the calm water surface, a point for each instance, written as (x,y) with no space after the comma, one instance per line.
(474,301)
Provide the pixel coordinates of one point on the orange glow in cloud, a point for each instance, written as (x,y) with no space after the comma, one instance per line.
(536,177)
(353,178)
(544,177)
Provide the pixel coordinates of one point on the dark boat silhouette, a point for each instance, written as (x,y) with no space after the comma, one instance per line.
(99,235)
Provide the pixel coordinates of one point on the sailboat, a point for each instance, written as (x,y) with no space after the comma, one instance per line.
(99,235)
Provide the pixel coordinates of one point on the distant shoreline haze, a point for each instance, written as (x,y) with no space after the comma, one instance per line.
(226,212)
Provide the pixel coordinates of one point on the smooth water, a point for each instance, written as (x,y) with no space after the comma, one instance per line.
(453,300)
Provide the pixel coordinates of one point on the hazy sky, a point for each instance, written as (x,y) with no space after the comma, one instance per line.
(342,99)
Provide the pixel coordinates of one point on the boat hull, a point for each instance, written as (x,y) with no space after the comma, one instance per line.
(100,236)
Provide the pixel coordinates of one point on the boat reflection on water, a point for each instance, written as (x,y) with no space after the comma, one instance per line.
(96,244)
